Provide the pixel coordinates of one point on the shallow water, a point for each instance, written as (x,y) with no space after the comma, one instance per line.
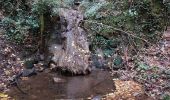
(43,87)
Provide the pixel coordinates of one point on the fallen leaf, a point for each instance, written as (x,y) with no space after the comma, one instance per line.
(4,99)
(2,95)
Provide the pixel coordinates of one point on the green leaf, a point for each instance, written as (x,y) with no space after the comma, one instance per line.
(108,52)
(166,97)
(143,66)
(2,95)
(118,61)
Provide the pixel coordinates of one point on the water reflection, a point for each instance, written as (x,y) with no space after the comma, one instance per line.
(43,87)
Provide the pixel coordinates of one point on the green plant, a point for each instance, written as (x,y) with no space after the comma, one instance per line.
(142,66)
(166,97)
(143,19)
(118,61)
(20,26)
(18,22)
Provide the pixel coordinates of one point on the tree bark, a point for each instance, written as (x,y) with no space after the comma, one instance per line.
(73,53)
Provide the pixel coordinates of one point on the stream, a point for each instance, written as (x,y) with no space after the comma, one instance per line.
(53,86)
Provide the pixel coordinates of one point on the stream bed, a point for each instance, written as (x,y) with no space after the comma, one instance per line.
(52,86)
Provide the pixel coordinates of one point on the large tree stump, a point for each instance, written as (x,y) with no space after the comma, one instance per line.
(73,53)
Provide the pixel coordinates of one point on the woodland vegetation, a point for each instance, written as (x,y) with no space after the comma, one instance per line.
(78,36)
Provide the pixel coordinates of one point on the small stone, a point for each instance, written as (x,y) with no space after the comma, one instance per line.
(168,76)
(97,98)
(136,94)
(167,72)
(52,66)
(7,72)
(8,66)
(58,80)
(39,67)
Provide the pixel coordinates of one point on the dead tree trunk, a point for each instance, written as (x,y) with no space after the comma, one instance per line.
(73,53)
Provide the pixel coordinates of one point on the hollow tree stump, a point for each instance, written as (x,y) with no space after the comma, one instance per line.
(73,53)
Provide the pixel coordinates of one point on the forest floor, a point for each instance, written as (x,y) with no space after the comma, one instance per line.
(10,62)
(153,72)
